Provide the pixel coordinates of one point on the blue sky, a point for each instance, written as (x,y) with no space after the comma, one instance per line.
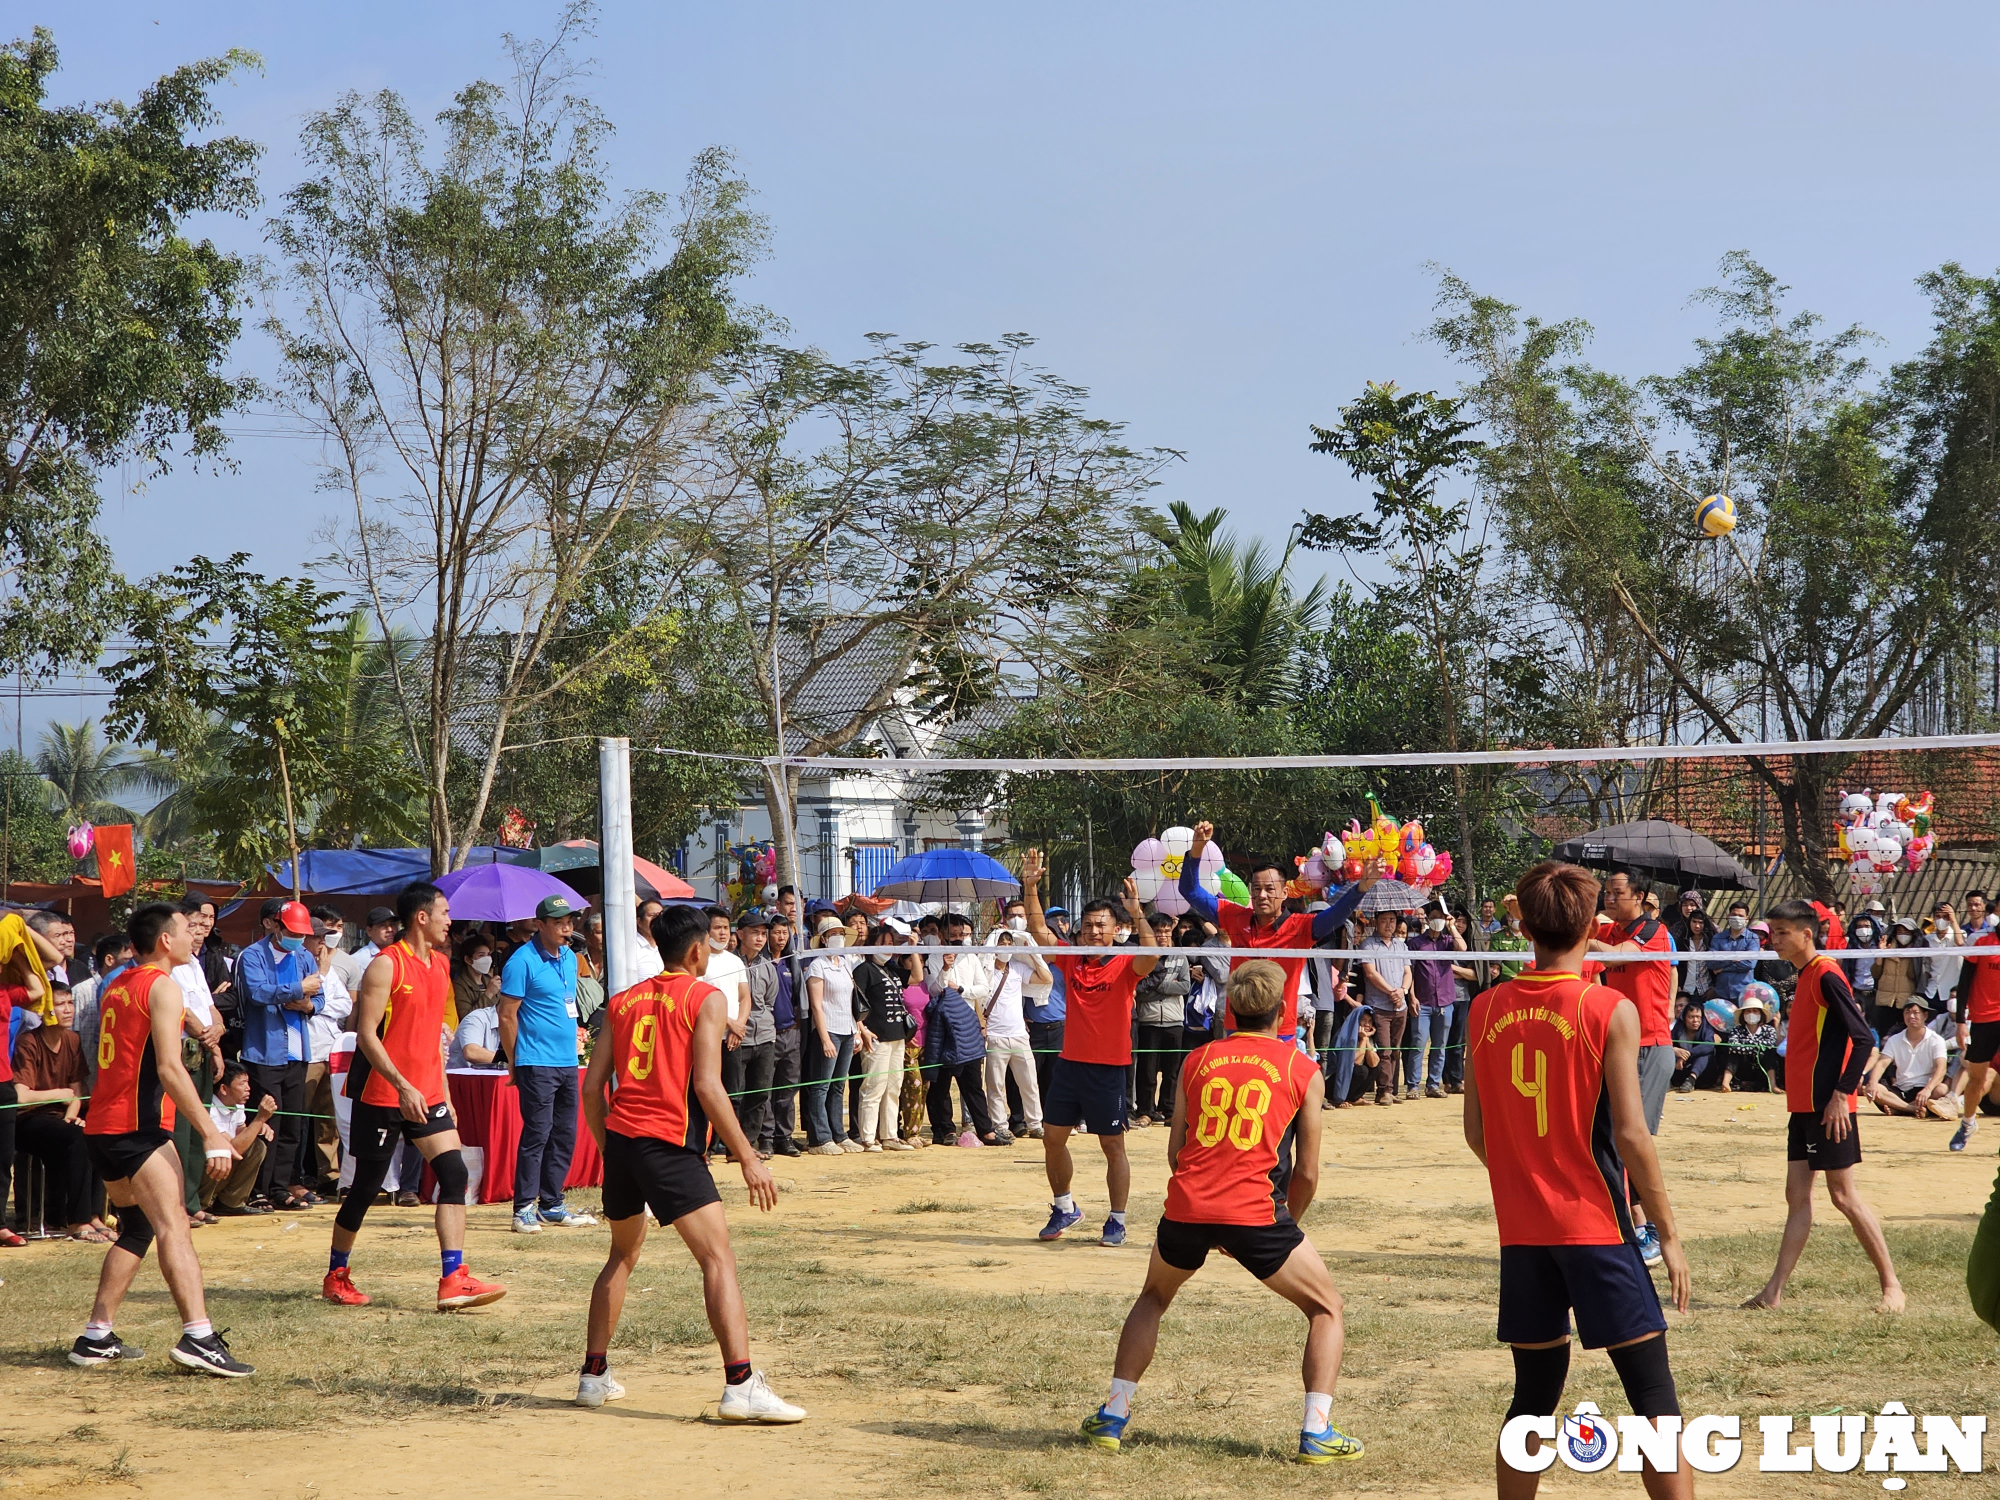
(1216,218)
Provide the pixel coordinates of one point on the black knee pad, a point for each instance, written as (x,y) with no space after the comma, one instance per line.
(135,1230)
(368,1176)
(449,1169)
(1649,1383)
(1539,1378)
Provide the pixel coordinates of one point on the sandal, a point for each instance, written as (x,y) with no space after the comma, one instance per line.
(90,1236)
(10,1239)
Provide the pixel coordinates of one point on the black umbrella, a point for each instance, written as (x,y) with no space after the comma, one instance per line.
(1658,848)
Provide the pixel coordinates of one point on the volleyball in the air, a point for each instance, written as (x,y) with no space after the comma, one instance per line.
(1716,516)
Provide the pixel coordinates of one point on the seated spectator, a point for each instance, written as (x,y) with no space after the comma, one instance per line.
(1366,1060)
(48,1081)
(475,976)
(252,1137)
(1906,1076)
(1751,1048)
(476,1043)
(1696,1046)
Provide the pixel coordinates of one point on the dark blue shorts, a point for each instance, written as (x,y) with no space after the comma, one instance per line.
(1608,1285)
(1088,1094)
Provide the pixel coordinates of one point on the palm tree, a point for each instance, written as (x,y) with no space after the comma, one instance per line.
(84,774)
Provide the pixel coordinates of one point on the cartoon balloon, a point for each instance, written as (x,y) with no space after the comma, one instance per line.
(82,839)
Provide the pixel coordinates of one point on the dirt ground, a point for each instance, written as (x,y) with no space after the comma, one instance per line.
(904,1300)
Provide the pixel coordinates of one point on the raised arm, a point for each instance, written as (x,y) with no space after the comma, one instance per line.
(1141,928)
(1200,902)
(1031,897)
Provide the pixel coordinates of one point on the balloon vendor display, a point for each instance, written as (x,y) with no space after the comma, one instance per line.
(1156,870)
(1881,835)
(1401,846)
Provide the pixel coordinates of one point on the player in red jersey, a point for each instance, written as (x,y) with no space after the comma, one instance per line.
(660,1061)
(130,1132)
(1827,1047)
(1552,1107)
(1978,1030)
(1088,1086)
(1650,986)
(1244,1150)
(1263,923)
(397,1084)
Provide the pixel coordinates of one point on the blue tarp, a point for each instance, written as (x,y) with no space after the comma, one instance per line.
(378,872)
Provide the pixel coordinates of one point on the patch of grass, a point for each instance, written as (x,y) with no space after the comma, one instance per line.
(936,1206)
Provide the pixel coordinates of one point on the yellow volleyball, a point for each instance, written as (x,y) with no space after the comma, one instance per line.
(1716,515)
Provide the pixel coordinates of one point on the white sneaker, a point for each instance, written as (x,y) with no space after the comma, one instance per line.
(825,1148)
(875,1146)
(525,1222)
(595,1390)
(754,1401)
(892,1144)
(852,1146)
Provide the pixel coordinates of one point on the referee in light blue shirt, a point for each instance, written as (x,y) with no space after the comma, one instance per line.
(538,1031)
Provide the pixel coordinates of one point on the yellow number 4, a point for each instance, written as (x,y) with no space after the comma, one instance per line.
(1536,1089)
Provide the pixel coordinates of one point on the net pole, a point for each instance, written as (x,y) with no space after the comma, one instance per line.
(614,843)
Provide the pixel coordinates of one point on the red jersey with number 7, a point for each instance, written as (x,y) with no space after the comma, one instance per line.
(651,1035)
(1243,1093)
(1536,1046)
(128,1095)
(412,1028)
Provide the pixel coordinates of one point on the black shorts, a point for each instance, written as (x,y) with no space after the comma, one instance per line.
(1089,1094)
(1608,1285)
(1983,1042)
(1807,1142)
(641,1172)
(1260,1249)
(375,1130)
(117,1157)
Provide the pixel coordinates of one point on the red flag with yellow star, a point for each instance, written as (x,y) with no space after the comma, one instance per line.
(114,859)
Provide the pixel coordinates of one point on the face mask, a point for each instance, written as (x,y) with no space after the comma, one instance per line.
(1124,934)
(1864,934)
(482,964)
(1903,940)
(1737,924)
(1436,924)
(834,940)
(1017,924)
(718,945)
(290,943)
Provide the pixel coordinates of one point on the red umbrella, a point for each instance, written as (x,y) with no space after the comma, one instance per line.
(652,882)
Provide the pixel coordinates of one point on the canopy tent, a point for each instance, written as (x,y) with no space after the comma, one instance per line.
(1657,847)
(378,872)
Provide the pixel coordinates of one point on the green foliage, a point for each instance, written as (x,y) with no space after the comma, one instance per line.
(84,774)
(36,846)
(116,325)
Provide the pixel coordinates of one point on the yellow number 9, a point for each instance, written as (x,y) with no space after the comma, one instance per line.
(642,1043)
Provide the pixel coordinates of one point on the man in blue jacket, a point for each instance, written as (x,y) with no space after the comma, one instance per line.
(955,1050)
(280,990)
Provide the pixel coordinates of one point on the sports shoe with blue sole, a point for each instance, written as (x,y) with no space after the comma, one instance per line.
(1962,1137)
(1059,1221)
(1114,1233)
(1328,1447)
(1649,1245)
(1104,1430)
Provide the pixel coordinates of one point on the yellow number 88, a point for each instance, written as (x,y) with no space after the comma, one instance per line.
(1236,1113)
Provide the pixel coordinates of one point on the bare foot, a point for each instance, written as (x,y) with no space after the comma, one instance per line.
(1892,1300)
(1724,1088)
(1760,1301)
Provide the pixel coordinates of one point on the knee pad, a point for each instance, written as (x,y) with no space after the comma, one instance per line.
(135,1231)
(368,1176)
(1539,1378)
(449,1169)
(1648,1381)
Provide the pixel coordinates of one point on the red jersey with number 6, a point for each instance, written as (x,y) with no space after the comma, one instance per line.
(652,1061)
(128,1095)
(1243,1093)
(1537,1058)
(412,1029)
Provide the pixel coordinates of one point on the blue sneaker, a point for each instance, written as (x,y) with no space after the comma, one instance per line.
(1963,1136)
(1105,1430)
(1649,1245)
(1059,1221)
(1114,1232)
(563,1215)
(525,1221)
(1328,1446)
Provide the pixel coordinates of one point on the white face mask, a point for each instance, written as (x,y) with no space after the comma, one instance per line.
(834,940)
(483,964)
(1017,924)
(1436,924)
(1737,924)
(719,945)
(1124,934)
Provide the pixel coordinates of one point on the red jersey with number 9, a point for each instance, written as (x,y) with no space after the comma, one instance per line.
(652,1061)
(128,1095)
(412,1029)
(1243,1093)
(1537,1058)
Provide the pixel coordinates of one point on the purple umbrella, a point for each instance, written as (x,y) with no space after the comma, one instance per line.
(502,893)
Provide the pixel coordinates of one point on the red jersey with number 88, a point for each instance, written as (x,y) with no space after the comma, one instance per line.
(1536,1047)
(652,1061)
(1243,1092)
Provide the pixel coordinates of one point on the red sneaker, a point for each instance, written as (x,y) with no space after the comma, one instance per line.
(339,1287)
(462,1289)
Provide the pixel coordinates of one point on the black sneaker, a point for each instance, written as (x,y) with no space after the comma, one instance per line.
(109,1350)
(210,1355)
(786,1146)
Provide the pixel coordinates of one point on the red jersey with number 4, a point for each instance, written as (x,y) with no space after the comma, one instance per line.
(652,1061)
(412,1028)
(1097,995)
(1239,923)
(128,1095)
(1536,1048)
(1983,1004)
(1243,1093)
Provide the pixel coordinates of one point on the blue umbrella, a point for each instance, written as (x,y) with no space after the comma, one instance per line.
(947,875)
(501,893)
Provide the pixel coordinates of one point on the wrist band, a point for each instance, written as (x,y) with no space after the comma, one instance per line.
(223,1155)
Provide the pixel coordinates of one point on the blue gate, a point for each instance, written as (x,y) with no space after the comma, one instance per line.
(869,863)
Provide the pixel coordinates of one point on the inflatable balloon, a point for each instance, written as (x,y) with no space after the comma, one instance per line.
(1412,838)
(1716,516)
(1156,869)
(1719,1014)
(1855,803)
(1350,871)
(82,839)
(1917,851)
(1760,994)
(1441,871)
(1232,888)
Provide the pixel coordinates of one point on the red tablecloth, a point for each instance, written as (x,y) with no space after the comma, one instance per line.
(489,1117)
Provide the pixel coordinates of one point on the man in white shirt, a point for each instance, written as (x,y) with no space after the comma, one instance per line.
(323,1028)
(251,1137)
(1907,1075)
(1007,1046)
(382,930)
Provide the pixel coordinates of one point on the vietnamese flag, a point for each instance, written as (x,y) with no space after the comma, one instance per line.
(114,859)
